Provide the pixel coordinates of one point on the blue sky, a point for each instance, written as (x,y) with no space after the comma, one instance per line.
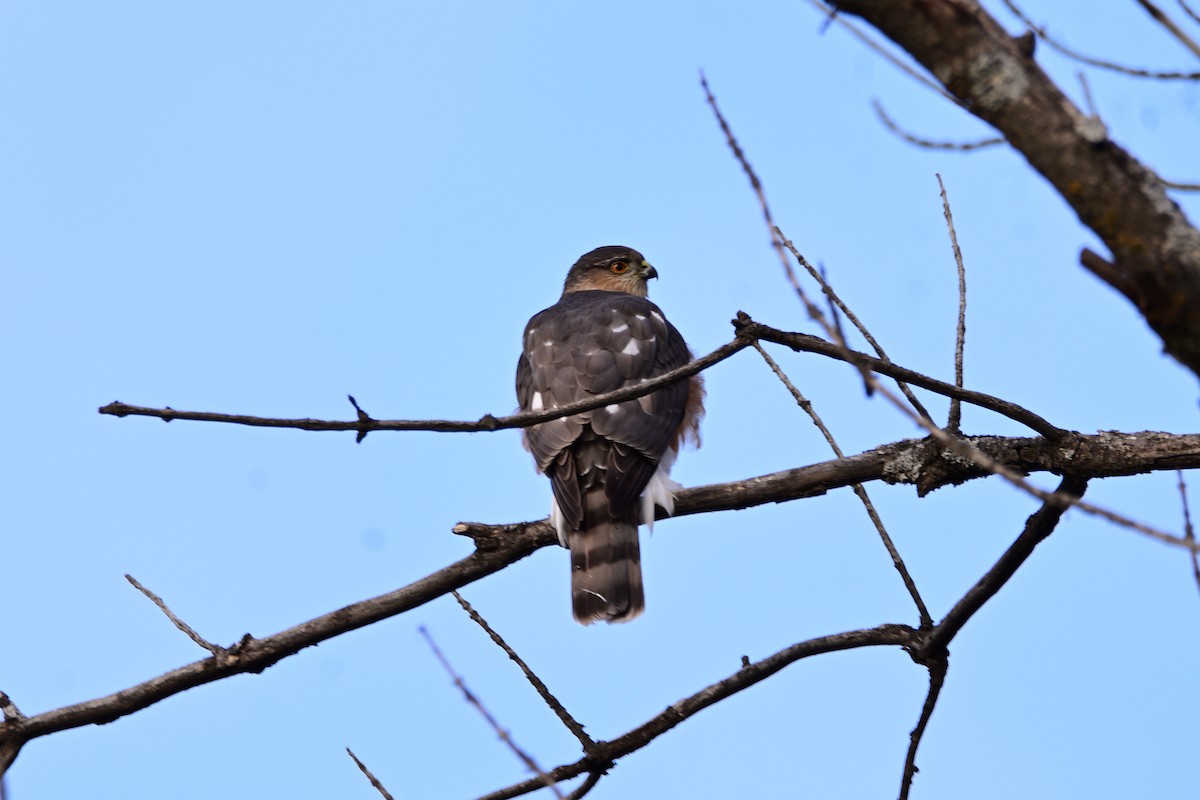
(260,208)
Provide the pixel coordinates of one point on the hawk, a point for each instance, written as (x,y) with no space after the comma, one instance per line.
(608,467)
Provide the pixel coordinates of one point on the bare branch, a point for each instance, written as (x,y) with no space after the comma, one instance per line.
(488,422)
(859,489)
(1183,187)
(937,678)
(370,776)
(589,783)
(1188,10)
(1162,19)
(802,342)
(176,621)
(922,463)
(1155,248)
(749,675)
(1189,532)
(965,448)
(589,745)
(1097,62)
(931,144)
(781,243)
(1087,97)
(899,63)
(747,332)
(848,355)
(954,423)
(755,184)
(504,735)
(1040,525)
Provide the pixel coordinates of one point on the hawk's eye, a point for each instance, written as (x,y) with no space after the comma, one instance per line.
(620,267)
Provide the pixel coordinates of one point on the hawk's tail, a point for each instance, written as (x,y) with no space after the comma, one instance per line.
(606,570)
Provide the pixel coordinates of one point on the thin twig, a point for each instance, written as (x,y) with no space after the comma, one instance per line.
(1162,19)
(176,621)
(1188,10)
(504,735)
(780,243)
(9,709)
(485,423)
(859,489)
(589,744)
(752,176)
(857,323)
(897,62)
(1096,62)
(1189,532)
(745,677)
(954,423)
(931,144)
(1039,525)
(803,342)
(834,316)
(937,678)
(370,776)
(747,331)
(588,784)
(1087,95)
(964,449)
(1183,187)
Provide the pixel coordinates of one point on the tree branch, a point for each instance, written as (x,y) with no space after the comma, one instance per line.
(937,678)
(1162,19)
(1136,72)
(922,463)
(806,343)
(954,423)
(806,405)
(1155,249)
(930,144)
(505,736)
(1040,525)
(488,422)
(748,332)
(589,744)
(749,675)
(379,787)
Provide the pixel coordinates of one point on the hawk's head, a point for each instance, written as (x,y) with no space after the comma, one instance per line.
(610,269)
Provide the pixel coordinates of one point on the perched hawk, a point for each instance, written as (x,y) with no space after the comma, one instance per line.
(609,467)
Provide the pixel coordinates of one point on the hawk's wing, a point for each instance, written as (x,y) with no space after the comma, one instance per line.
(589,343)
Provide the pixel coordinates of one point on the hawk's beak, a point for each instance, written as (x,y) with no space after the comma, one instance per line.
(648,271)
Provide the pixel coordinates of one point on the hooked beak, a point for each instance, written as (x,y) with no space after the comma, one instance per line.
(648,271)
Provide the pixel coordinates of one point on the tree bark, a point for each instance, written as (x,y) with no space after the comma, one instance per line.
(1155,249)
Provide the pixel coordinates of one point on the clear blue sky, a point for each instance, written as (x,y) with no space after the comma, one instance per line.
(261,207)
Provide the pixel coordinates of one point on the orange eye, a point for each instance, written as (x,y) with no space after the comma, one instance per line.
(620,267)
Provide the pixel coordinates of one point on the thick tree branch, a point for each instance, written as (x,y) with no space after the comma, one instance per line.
(1155,249)
(922,463)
